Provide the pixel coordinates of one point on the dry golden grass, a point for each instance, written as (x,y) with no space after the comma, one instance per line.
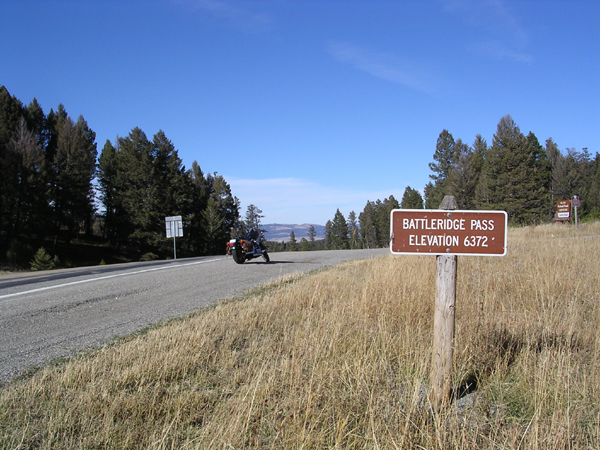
(341,359)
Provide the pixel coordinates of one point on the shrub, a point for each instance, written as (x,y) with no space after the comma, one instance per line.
(42,260)
(149,257)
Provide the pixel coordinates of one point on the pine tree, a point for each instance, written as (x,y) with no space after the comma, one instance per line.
(229,206)
(515,175)
(133,184)
(503,170)
(594,192)
(572,173)
(375,222)
(384,211)
(411,199)
(539,182)
(42,260)
(328,235)
(36,122)
(433,195)
(108,194)
(476,161)
(205,189)
(462,181)
(11,110)
(253,216)
(586,169)
(445,158)
(304,245)
(212,225)
(311,234)
(339,232)
(170,188)
(74,170)
(31,200)
(367,220)
(293,244)
(353,230)
(200,194)
(555,159)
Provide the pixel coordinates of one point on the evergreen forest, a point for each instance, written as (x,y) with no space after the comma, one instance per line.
(515,174)
(58,196)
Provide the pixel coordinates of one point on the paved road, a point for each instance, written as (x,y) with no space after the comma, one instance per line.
(54,314)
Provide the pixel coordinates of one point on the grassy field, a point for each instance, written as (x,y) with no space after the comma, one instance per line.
(341,358)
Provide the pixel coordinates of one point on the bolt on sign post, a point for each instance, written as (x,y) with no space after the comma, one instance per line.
(446,233)
(174,226)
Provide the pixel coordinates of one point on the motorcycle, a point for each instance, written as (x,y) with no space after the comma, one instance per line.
(248,246)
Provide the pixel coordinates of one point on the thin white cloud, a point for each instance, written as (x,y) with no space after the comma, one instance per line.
(507,21)
(384,65)
(297,201)
(239,17)
(501,51)
(502,35)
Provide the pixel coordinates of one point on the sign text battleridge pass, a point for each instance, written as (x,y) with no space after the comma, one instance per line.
(442,232)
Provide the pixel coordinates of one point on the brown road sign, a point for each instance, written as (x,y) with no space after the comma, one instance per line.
(563,210)
(443,232)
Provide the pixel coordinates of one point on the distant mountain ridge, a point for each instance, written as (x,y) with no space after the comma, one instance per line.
(278,232)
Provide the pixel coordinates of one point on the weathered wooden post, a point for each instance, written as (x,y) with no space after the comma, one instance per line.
(443,324)
(575,204)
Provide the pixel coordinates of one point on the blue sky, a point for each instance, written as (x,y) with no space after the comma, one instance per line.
(308,106)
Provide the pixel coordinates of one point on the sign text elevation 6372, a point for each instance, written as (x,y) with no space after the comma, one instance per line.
(448,232)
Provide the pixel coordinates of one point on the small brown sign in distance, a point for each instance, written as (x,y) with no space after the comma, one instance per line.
(443,232)
(563,210)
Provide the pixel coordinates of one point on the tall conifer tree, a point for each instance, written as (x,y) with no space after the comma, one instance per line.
(133,182)
(515,176)
(200,194)
(368,230)
(462,181)
(293,244)
(74,169)
(328,235)
(11,110)
(445,158)
(32,212)
(339,232)
(353,230)
(411,199)
(212,228)
(312,233)
(253,218)
(108,192)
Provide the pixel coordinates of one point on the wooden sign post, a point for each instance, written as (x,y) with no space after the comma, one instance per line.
(446,232)
(575,204)
(443,324)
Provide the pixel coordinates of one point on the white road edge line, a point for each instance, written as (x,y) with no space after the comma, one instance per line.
(170,266)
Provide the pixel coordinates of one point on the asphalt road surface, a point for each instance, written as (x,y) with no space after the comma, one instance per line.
(55,314)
